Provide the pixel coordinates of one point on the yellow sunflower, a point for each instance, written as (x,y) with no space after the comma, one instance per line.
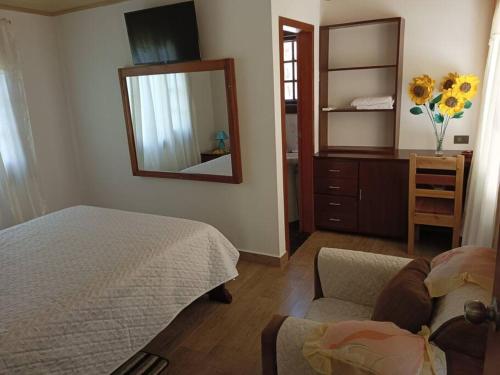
(451,102)
(448,81)
(420,89)
(467,85)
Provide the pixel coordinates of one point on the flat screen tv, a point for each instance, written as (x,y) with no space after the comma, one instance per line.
(167,34)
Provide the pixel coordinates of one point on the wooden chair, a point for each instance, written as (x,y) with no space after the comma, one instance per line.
(435,195)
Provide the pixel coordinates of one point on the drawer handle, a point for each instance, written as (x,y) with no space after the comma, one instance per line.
(334,170)
(334,204)
(334,187)
(335,220)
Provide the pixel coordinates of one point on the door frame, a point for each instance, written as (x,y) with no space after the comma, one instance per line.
(305,123)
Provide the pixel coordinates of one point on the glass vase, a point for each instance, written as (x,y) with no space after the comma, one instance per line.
(439,146)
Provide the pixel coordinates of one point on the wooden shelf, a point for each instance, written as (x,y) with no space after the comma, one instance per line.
(358,110)
(391,72)
(363,67)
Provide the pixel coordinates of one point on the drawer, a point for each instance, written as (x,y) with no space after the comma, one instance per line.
(330,204)
(336,168)
(336,186)
(347,222)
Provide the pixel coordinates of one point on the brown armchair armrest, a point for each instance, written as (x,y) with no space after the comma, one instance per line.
(268,345)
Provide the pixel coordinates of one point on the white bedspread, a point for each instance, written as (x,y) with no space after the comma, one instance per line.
(83,289)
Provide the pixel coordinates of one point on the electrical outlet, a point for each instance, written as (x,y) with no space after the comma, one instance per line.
(461,140)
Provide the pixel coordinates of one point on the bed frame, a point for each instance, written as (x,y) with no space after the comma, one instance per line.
(220,294)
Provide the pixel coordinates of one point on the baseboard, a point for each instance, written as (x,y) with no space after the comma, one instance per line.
(264,259)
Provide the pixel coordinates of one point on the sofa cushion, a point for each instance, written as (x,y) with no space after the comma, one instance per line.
(334,309)
(405,300)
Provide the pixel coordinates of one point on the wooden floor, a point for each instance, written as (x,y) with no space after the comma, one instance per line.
(212,338)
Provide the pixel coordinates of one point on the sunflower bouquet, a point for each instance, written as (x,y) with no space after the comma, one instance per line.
(455,93)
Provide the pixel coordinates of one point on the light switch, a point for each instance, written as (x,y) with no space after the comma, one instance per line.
(461,140)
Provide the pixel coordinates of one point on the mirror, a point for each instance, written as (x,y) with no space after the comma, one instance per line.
(182,120)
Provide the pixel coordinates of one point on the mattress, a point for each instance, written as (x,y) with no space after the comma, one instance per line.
(85,288)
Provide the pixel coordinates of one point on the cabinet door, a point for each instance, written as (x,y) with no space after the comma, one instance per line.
(383,198)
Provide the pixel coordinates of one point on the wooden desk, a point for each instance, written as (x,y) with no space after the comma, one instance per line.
(365,193)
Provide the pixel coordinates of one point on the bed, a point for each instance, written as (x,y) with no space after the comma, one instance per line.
(85,288)
(220,166)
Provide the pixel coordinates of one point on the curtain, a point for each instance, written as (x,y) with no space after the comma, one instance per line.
(20,196)
(165,134)
(482,195)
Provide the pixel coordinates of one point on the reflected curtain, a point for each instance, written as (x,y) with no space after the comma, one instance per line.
(164,129)
(482,195)
(20,196)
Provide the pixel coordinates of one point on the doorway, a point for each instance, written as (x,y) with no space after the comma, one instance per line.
(297,119)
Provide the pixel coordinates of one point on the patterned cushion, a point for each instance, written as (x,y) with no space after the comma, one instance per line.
(367,347)
(454,268)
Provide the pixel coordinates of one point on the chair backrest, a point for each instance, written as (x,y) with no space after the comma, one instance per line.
(438,178)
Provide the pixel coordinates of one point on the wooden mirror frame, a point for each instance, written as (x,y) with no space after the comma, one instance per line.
(232,111)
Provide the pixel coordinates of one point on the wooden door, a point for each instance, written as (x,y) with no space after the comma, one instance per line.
(383,198)
(492,359)
(305,121)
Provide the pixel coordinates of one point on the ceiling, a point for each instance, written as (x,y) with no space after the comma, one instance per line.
(52,7)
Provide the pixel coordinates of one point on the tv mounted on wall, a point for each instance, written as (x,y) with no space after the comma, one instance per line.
(167,34)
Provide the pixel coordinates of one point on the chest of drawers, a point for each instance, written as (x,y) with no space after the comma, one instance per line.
(336,194)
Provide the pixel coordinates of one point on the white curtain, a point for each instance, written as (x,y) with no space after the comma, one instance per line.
(482,196)
(164,129)
(20,197)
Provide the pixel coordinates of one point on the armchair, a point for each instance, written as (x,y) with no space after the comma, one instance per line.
(347,284)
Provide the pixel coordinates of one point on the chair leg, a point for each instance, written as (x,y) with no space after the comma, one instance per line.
(411,238)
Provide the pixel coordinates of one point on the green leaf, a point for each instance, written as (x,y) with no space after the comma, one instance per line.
(459,115)
(468,104)
(432,106)
(437,99)
(439,118)
(416,110)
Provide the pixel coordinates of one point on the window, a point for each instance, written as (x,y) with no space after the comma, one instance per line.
(10,145)
(290,70)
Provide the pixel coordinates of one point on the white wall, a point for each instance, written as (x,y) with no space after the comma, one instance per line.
(440,36)
(95,44)
(36,40)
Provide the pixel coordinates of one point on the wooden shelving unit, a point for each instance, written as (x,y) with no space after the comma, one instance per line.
(357,110)
(385,66)
(363,67)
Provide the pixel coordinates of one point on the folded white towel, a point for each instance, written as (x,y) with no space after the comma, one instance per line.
(376,106)
(372,100)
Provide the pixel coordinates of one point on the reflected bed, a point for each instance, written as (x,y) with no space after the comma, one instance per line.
(220,166)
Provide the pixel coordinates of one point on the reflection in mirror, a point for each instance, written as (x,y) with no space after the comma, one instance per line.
(180,122)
